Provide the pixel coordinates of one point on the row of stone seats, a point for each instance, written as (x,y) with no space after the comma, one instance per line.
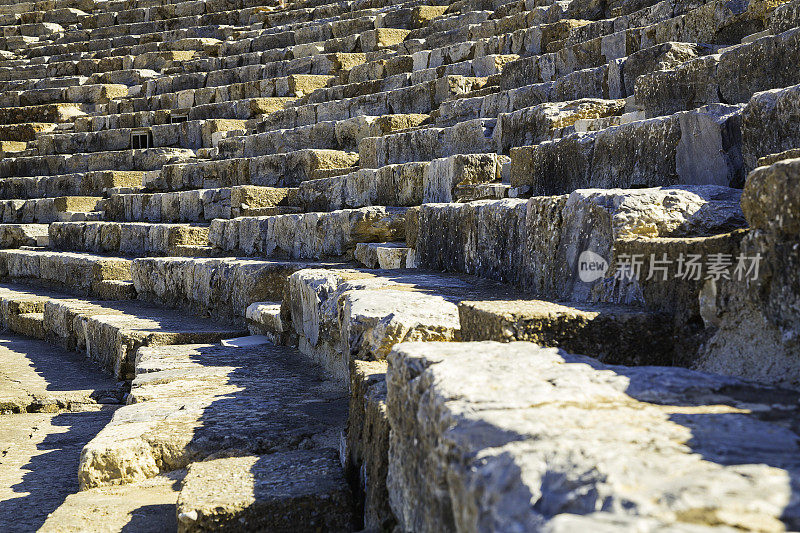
(361,206)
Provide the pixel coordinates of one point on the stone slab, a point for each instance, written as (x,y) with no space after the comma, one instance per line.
(288,491)
(554,434)
(196,402)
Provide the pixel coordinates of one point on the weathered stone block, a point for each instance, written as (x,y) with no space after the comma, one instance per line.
(539,441)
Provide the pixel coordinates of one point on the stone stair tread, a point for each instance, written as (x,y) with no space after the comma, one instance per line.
(149,505)
(614,333)
(281,491)
(37,377)
(110,331)
(547,416)
(233,401)
(222,287)
(82,273)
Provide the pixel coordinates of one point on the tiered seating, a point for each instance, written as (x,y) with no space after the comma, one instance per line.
(376,189)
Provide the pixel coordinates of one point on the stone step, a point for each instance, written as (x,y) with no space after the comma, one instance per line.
(25,132)
(150,505)
(693,147)
(109,333)
(124,160)
(728,28)
(181,106)
(276,170)
(280,491)
(265,319)
(199,205)
(545,235)
(308,235)
(331,135)
(94,183)
(103,277)
(126,238)
(80,94)
(751,316)
(194,99)
(41,453)
(193,134)
(769,124)
(221,287)
(406,184)
(470,137)
(342,315)
(615,334)
(546,417)
(731,77)
(16,235)
(48,113)
(384,255)
(419,98)
(46,210)
(40,378)
(366,443)
(317,65)
(204,401)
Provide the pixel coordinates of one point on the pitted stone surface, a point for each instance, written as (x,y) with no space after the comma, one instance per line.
(271,492)
(234,160)
(193,402)
(561,434)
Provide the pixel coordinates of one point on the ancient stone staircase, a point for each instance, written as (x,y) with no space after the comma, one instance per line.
(413,266)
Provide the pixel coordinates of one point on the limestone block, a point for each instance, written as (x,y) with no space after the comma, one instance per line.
(378,38)
(215,383)
(770,124)
(367,453)
(220,287)
(81,273)
(392,185)
(537,439)
(614,334)
(595,220)
(443,175)
(754,319)
(543,122)
(308,235)
(280,491)
(463,238)
(697,147)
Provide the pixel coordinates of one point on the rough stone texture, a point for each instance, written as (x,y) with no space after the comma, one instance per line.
(83,274)
(108,333)
(288,491)
(557,434)
(308,235)
(148,507)
(16,235)
(614,334)
(595,219)
(700,147)
(194,402)
(186,133)
(217,287)
(464,238)
(126,238)
(755,320)
(770,124)
(536,243)
(35,377)
(345,314)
